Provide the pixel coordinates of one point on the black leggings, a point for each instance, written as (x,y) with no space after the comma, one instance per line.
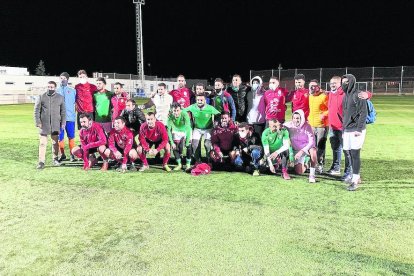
(356,161)
(178,152)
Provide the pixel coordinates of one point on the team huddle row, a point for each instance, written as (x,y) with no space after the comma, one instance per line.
(243,126)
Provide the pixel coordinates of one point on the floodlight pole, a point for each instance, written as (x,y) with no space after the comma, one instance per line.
(140,53)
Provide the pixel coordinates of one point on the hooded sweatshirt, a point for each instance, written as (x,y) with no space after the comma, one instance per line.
(354,108)
(301,137)
(255,103)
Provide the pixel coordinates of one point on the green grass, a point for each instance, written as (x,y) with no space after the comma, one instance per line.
(67,221)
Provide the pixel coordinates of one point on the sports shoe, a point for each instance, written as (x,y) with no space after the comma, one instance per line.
(319,169)
(312,179)
(72,158)
(132,168)
(347,178)
(178,167)
(256,173)
(62,157)
(143,168)
(285,174)
(104,166)
(334,171)
(56,162)
(354,186)
(168,169)
(40,166)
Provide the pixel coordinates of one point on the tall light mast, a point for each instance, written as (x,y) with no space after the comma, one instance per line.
(140,54)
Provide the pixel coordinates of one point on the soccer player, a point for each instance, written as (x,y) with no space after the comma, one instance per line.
(238,91)
(300,96)
(203,117)
(153,133)
(303,143)
(179,134)
(118,100)
(133,116)
(69,94)
(182,94)
(248,148)
(223,140)
(84,95)
(200,89)
(256,110)
(318,120)
(276,145)
(162,102)
(50,117)
(355,114)
(274,100)
(93,139)
(222,100)
(121,145)
(102,104)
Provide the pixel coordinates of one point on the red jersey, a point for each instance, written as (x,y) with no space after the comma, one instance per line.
(92,137)
(157,134)
(84,97)
(223,138)
(300,100)
(118,104)
(182,96)
(123,139)
(275,103)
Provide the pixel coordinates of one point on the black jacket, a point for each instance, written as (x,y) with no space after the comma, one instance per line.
(240,101)
(354,108)
(133,119)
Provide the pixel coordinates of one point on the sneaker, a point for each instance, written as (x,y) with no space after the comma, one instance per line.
(72,158)
(56,162)
(285,175)
(178,167)
(312,179)
(168,169)
(334,171)
(256,173)
(143,168)
(62,157)
(40,166)
(353,186)
(347,178)
(105,166)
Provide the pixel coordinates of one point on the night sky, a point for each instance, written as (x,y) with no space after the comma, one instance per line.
(205,39)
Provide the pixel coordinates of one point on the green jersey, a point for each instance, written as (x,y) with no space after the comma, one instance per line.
(203,118)
(181,124)
(274,140)
(218,103)
(102,102)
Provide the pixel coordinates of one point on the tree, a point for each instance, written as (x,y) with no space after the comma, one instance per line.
(40,69)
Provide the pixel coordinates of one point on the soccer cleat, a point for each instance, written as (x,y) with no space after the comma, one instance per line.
(285,175)
(56,162)
(168,169)
(40,166)
(312,179)
(72,158)
(334,171)
(178,167)
(143,168)
(256,173)
(104,166)
(62,157)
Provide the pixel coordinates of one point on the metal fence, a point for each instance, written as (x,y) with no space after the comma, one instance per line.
(389,80)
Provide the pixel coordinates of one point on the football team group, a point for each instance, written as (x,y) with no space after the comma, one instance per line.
(241,126)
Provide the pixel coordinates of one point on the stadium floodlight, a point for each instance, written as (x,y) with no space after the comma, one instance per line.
(140,55)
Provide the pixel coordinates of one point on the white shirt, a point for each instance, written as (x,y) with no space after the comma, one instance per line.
(162,107)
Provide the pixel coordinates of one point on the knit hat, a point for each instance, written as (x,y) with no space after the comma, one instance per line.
(65,74)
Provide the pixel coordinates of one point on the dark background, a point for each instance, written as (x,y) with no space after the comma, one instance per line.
(205,39)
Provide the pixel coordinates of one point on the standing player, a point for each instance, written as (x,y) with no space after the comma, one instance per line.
(93,139)
(121,145)
(69,94)
(256,110)
(239,91)
(102,103)
(318,120)
(162,102)
(300,96)
(203,117)
(222,100)
(84,96)
(182,94)
(153,133)
(303,143)
(179,134)
(118,100)
(274,100)
(276,144)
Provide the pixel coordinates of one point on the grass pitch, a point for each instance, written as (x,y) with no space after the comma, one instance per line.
(66,221)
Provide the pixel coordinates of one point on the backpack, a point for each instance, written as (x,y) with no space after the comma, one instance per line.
(371,113)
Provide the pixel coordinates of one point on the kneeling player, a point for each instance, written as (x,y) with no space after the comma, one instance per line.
(222,139)
(153,133)
(93,139)
(248,148)
(179,134)
(303,143)
(276,145)
(121,145)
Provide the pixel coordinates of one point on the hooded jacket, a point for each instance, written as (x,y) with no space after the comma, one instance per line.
(354,108)
(255,103)
(301,137)
(240,101)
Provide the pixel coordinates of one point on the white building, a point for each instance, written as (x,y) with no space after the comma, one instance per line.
(13,71)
